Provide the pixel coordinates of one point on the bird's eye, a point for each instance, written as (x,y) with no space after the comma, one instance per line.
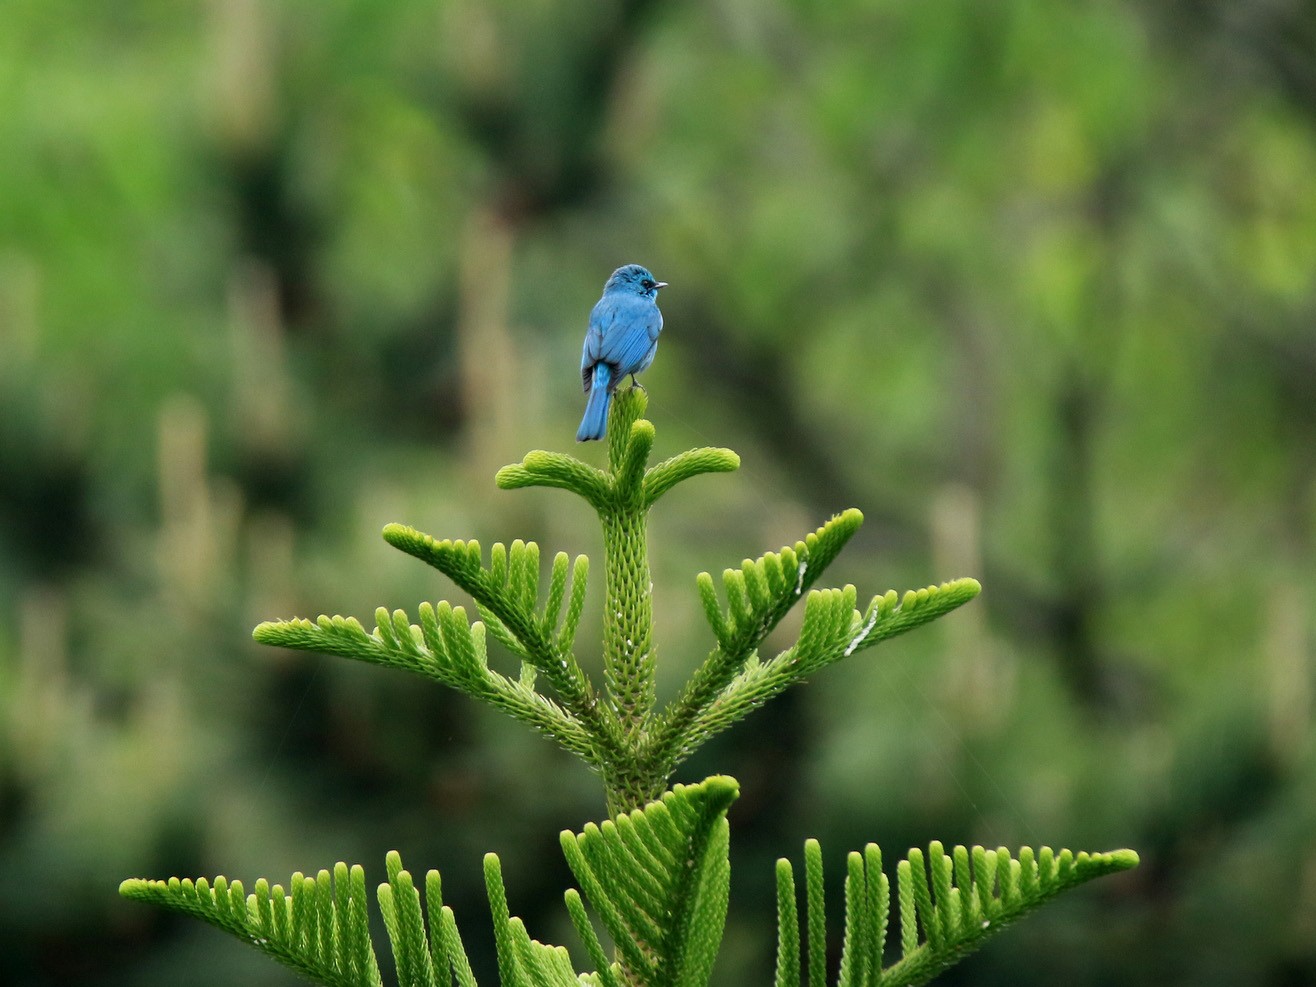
(647,284)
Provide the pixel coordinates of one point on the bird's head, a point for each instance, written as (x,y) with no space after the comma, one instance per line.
(634,278)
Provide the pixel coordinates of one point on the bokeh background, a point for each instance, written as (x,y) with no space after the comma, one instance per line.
(1032,285)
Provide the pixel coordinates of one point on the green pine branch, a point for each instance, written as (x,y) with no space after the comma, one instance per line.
(759,594)
(658,877)
(616,730)
(507,590)
(949,905)
(522,961)
(657,874)
(448,648)
(626,482)
(320,929)
(622,496)
(728,688)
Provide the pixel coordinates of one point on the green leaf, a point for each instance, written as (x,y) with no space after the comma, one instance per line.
(320,930)
(509,974)
(399,901)
(442,958)
(628,407)
(659,878)
(557,591)
(331,635)
(788,928)
(856,940)
(522,961)
(878,906)
(566,636)
(628,478)
(816,911)
(607,973)
(451,939)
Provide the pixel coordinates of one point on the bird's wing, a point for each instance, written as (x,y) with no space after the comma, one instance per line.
(633,328)
(600,319)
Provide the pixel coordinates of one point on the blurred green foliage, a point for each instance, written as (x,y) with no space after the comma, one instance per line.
(1032,285)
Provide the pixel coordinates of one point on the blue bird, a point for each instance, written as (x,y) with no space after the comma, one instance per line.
(622,339)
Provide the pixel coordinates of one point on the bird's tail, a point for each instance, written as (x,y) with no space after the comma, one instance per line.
(595,422)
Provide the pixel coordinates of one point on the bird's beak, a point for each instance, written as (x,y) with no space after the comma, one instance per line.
(660,284)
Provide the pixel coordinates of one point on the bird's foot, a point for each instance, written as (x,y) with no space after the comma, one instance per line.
(636,383)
